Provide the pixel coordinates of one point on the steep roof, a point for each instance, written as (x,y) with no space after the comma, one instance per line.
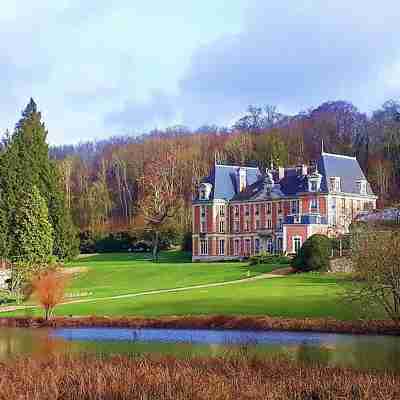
(345,167)
(225,180)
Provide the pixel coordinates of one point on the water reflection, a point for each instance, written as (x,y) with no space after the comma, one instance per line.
(356,351)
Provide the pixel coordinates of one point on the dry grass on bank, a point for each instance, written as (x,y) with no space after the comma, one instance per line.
(90,378)
(261,323)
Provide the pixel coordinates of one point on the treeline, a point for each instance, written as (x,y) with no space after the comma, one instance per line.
(103,181)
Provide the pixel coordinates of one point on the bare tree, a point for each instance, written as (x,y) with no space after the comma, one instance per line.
(376,258)
(161,194)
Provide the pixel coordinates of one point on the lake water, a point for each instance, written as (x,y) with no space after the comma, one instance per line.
(356,351)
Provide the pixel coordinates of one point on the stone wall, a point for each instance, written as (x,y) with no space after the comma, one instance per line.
(341,264)
(4,275)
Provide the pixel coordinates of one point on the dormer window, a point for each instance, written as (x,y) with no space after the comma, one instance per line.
(314,181)
(362,186)
(314,186)
(334,183)
(205,191)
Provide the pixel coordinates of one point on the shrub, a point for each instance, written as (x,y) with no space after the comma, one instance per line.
(267,258)
(314,254)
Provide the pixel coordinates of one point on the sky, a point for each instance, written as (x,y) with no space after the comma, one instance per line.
(100,68)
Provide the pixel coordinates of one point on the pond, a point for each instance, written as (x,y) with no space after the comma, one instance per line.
(355,351)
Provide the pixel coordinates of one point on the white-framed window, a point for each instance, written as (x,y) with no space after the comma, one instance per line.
(222,226)
(334,182)
(280,207)
(203,247)
(222,211)
(279,224)
(269,208)
(296,244)
(236,247)
(258,224)
(270,246)
(236,211)
(247,210)
(279,244)
(362,187)
(314,186)
(203,211)
(221,246)
(236,226)
(295,206)
(269,223)
(247,246)
(247,226)
(257,245)
(314,204)
(257,210)
(202,194)
(203,227)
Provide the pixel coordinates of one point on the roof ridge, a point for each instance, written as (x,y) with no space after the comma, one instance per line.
(234,166)
(338,155)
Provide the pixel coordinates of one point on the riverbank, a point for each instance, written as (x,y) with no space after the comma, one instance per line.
(243,377)
(255,323)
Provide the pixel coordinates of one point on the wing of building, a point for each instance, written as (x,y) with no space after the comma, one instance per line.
(240,211)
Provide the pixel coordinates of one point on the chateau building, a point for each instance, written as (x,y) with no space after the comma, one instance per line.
(240,211)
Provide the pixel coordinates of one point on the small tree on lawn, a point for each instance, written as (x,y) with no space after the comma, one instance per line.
(49,289)
(314,254)
(376,260)
(160,195)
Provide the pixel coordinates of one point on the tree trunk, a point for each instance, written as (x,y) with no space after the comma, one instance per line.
(156,239)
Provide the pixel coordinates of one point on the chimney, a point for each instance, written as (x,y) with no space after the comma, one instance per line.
(242,179)
(281,173)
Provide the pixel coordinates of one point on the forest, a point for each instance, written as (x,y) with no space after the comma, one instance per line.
(106,181)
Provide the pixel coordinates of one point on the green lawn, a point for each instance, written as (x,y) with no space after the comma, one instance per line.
(122,273)
(296,296)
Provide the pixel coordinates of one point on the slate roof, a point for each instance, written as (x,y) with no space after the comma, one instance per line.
(225,181)
(347,168)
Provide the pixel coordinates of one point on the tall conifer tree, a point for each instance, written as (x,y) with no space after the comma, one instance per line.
(25,163)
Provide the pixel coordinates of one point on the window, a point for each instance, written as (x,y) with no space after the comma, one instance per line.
(221,226)
(362,187)
(334,183)
(343,206)
(236,247)
(296,244)
(222,211)
(257,246)
(314,204)
(203,227)
(280,208)
(295,206)
(222,247)
(202,194)
(279,225)
(269,223)
(258,224)
(269,208)
(236,211)
(296,219)
(203,211)
(314,186)
(247,247)
(247,226)
(257,211)
(280,244)
(203,247)
(247,212)
(236,226)
(270,246)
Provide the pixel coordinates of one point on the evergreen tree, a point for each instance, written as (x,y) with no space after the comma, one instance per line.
(31,231)
(24,164)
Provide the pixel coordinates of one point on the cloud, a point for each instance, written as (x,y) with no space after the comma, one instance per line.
(290,54)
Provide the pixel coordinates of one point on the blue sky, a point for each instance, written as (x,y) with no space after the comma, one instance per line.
(102,68)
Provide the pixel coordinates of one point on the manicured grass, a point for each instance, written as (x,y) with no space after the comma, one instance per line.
(123,273)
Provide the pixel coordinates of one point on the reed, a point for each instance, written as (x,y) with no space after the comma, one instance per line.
(120,377)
